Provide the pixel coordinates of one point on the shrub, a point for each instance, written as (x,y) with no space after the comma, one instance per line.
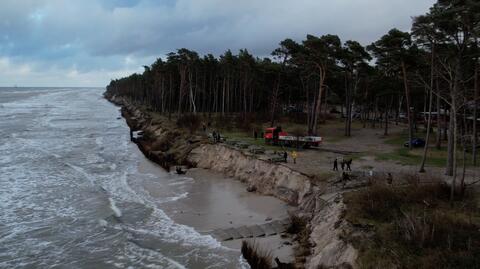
(296,225)
(189,121)
(256,258)
(299,227)
(415,226)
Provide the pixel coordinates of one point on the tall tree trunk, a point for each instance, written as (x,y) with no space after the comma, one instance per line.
(192,97)
(454,155)
(399,110)
(325,105)
(273,111)
(387,109)
(427,137)
(407,99)
(475,115)
(438,142)
(445,125)
(276,91)
(450,143)
(347,103)
(163,103)
(183,78)
(464,151)
(223,95)
(430,102)
(245,85)
(170,98)
(319,98)
(307,93)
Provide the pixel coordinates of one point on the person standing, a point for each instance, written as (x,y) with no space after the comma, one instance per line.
(285,155)
(214,136)
(343,165)
(348,163)
(294,156)
(335,165)
(255,134)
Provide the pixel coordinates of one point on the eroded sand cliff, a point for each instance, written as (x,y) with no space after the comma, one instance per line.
(169,145)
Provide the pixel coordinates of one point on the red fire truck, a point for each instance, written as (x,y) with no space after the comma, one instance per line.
(275,136)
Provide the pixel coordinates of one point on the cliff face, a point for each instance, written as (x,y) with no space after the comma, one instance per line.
(162,142)
(265,177)
(324,211)
(167,145)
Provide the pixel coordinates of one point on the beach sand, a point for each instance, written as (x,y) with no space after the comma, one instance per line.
(215,201)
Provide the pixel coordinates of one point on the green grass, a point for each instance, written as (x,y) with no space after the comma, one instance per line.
(331,131)
(397,140)
(404,156)
(246,138)
(435,157)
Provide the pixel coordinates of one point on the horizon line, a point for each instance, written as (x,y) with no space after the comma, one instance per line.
(52,86)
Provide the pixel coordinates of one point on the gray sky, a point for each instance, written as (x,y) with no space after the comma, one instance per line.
(89,42)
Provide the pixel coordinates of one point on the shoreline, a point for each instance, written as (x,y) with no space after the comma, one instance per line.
(217,202)
(167,145)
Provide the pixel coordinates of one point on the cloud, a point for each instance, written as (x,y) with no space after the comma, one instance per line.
(32,75)
(95,36)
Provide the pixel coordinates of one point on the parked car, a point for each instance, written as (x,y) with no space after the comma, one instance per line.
(416,143)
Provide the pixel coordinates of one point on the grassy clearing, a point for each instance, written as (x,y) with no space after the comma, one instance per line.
(414,226)
(404,156)
(435,157)
(248,138)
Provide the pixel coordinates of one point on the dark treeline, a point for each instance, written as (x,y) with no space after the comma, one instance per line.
(432,68)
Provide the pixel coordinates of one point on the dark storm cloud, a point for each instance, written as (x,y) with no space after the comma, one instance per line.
(100,39)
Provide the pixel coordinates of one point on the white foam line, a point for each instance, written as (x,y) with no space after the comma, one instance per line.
(175,198)
(169,229)
(175,263)
(26,141)
(162,256)
(82,172)
(74,167)
(115,209)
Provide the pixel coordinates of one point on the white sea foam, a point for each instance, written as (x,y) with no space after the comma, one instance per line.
(181,181)
(50,177)
(115,209)
(174,198)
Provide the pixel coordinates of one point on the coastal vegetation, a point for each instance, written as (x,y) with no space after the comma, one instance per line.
(428,75)
(256,258)
(406,85)
(414,226)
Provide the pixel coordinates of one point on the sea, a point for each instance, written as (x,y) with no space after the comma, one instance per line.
(72,194)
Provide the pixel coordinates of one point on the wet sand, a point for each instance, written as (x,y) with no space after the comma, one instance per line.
(217,202)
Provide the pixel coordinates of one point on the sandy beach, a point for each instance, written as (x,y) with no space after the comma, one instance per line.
(218,202)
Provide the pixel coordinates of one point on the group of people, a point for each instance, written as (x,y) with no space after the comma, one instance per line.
(294,156)
(345,164)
